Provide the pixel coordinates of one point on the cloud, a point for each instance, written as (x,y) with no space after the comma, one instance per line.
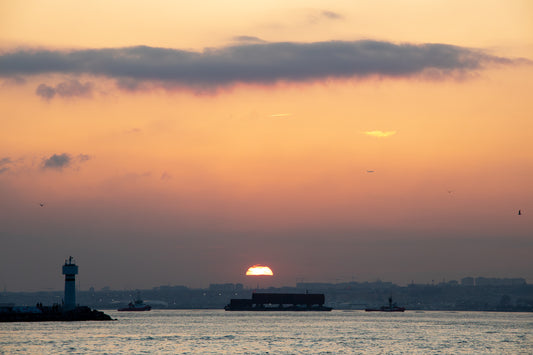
(74,88)
(166,176)
(133,131)
(45,91)
(331,15)
(54,162)
(5,164)
(248,39)
(253,63)
(317,17)
(6,160)
(64,160)
(15,80)
(57,161)
(83,157)
(380,134)
(71,88)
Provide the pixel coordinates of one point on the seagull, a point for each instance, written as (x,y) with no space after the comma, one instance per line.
(370,171)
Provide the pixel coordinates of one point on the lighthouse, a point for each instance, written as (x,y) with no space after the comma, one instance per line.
(70,270)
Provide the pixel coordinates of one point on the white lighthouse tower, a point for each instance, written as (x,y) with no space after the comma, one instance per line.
(70,270)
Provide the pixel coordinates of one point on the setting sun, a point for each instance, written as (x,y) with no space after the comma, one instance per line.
(259,270)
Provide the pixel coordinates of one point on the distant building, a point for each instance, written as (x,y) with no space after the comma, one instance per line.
(167,288)
(227,287)
(467,281)
(314,285)
(484,281)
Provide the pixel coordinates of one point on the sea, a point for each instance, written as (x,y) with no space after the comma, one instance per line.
(220,332)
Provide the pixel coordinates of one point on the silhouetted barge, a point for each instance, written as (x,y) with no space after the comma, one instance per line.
(279,302)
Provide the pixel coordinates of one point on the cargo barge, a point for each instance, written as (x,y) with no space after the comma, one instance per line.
(264,302)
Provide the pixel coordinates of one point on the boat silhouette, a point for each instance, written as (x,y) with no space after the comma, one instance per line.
(279,302)
(392,307)
(137,305)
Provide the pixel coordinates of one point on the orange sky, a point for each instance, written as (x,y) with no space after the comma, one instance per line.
(222,177)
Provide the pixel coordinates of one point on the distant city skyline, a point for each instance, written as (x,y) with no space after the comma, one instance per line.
(181,143)
(255,282)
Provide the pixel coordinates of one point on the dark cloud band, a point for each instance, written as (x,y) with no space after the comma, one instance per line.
(260,63)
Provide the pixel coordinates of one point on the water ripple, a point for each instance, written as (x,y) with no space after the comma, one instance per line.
(219,332)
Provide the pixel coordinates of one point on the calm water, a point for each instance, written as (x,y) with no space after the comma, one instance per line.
(219,332)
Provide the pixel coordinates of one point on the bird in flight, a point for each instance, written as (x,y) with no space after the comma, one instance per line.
(370,171)
(41,204)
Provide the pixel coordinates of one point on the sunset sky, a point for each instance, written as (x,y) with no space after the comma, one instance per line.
(179,143)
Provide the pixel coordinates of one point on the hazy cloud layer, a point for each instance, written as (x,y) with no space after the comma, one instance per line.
(71,88)
(256,63)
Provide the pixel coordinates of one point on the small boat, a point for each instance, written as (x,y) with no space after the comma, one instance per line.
(136,306)
(392,307)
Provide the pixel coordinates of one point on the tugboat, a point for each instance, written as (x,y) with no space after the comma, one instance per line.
(136,306)
(392,307)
